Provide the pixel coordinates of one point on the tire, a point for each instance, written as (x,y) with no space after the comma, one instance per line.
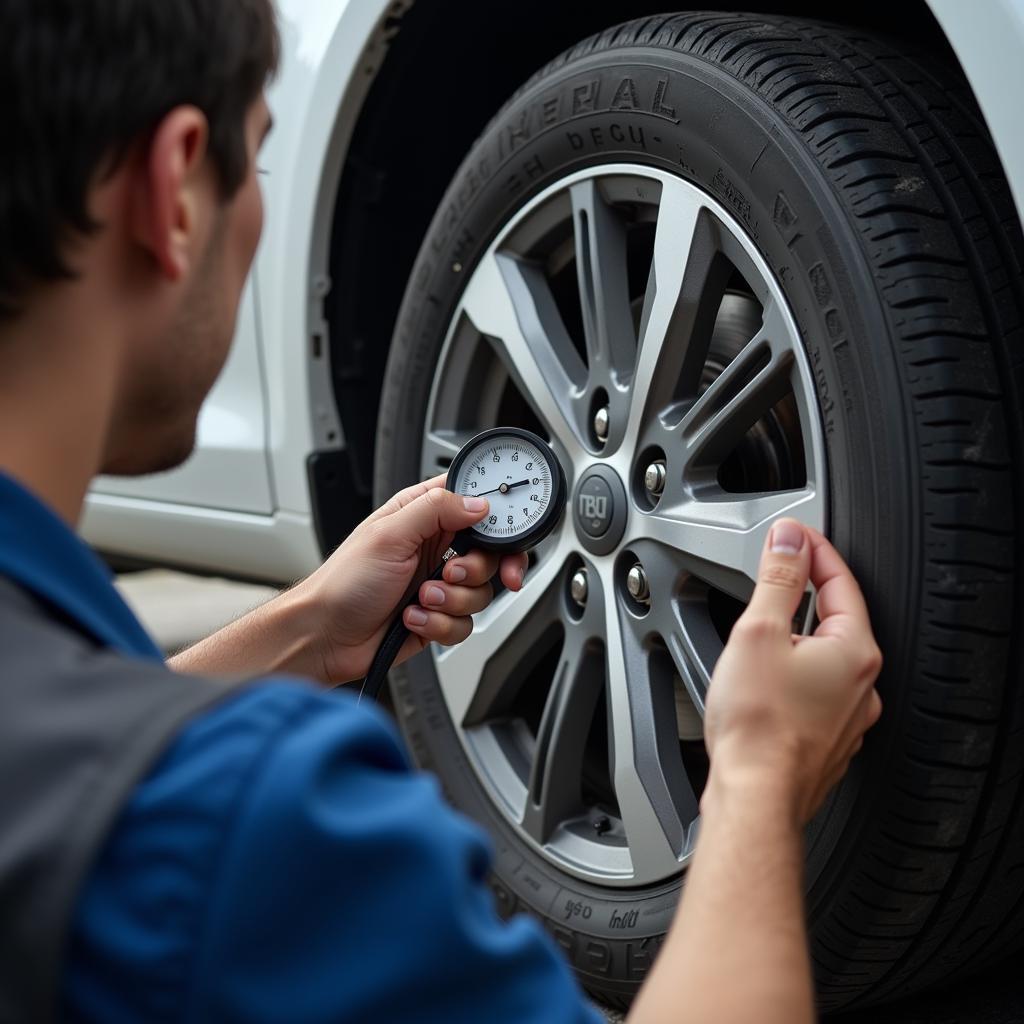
(866,180)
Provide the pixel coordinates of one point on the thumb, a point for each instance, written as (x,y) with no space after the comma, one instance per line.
(436,511)
(785,568)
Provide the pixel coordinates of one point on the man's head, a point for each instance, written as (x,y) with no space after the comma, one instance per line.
(129,187)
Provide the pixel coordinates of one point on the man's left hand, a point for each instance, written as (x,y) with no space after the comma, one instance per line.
(357,591)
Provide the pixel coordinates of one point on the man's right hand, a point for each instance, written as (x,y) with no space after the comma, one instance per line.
(786,713)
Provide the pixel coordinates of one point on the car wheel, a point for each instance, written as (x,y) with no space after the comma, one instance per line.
(733,267)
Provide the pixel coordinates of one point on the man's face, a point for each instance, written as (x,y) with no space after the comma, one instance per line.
(171,370)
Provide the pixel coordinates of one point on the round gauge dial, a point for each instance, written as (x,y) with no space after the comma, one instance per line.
(519,475)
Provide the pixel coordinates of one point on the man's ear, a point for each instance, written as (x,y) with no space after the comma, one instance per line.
(172,191)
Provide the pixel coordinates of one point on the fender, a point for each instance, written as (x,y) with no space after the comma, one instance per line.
(988,40)
(330,55)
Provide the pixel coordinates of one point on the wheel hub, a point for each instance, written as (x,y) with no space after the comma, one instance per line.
(599,509)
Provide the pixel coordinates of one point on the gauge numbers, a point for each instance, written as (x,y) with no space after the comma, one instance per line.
(514,476)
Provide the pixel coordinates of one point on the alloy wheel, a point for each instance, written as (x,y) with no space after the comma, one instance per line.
(628,317)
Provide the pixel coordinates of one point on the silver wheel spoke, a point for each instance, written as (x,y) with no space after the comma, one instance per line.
(721,540)
(604,285)
(475,673)
(640,721)
(439,448)
(692,659)
(688,275)
(510,305)
(556,775)
(742,393)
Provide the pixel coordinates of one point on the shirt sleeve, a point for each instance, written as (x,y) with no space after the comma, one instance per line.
(282,862)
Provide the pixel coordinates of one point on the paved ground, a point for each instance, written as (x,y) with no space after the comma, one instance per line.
(180,609)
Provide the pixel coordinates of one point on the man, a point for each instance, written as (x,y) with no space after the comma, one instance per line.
(177,848)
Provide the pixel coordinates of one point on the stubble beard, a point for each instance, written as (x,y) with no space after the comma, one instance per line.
(157,432)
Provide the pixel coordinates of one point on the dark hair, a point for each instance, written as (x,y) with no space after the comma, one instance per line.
(81,80)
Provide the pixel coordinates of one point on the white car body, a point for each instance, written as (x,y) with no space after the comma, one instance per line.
(242,504)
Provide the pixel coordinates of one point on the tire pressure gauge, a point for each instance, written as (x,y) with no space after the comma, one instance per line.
(519,475)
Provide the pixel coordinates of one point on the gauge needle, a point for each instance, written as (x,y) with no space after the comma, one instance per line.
(503,488)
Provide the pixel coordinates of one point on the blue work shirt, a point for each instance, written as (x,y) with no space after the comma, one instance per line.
(280,862)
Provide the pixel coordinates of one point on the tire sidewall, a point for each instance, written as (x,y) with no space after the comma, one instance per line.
(677,113)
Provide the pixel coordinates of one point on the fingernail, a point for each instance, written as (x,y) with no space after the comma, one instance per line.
(787,537)
(416,617)
(522,576)
(475,504)
(434,595)
(456,574)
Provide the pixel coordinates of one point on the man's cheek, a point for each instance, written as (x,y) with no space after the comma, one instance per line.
(252,222)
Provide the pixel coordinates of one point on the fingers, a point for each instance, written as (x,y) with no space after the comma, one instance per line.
(445,609)
(847,747)
(513,570)
(782,578)
(435,511)
(453,600)
(842,612)
(477,567)
(863,715)
(437,626)
(443,614)
(472,569)
(429,504)
(873,711)
(408,494)
(839,596)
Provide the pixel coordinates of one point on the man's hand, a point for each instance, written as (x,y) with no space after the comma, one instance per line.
(789,711)
(784,716)
(357,590)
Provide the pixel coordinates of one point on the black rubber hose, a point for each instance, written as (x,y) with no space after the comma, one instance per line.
(373,683)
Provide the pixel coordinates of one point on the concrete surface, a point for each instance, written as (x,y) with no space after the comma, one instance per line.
(179,609)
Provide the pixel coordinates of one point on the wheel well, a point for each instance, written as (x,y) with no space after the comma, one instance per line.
(448,70)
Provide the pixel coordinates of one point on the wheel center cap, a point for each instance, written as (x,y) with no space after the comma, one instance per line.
(599,509)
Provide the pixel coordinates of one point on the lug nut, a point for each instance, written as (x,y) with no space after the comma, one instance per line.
(654,477)
(601,423)
(578,587)
(636,584)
